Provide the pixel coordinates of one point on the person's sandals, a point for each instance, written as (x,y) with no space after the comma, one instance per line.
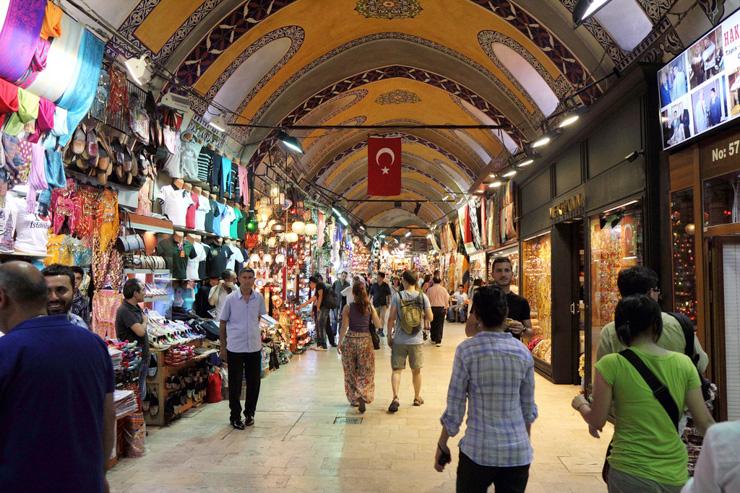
(361,406)
(394,406)
(418,401)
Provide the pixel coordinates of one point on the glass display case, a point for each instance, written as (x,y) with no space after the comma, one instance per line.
(536,288)
(722,200)
(684,263)
(616,244)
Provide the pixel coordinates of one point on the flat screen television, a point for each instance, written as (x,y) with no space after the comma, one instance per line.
(700,88)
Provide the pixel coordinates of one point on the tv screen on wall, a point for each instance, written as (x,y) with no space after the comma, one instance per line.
(700,88)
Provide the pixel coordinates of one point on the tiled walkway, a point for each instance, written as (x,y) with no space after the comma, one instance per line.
(296,447)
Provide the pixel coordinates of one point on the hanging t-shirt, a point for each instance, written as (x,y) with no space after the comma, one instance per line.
(218,255)
(197,263)
(201,213)
(31,231)
(192,208)
(234,229)
(175,204)
(217,210)
(176,255)
(236,260)
(241,227)
(226,220)
(189,152)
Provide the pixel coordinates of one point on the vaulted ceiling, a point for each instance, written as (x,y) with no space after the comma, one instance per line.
(380,62)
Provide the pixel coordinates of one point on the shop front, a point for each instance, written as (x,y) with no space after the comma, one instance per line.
(583,220)
(705,253)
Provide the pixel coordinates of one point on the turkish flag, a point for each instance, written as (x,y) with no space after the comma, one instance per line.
(384,166)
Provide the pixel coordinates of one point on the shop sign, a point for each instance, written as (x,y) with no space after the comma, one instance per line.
(720,156)
(568,209)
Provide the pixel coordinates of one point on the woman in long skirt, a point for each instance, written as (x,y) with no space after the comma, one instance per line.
(356,347)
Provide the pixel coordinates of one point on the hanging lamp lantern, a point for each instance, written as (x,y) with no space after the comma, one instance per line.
(278,227)
(311,229)
(267,258)
(299,227)
(291,237)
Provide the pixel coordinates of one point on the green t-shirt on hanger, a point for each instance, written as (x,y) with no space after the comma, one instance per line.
(234,229)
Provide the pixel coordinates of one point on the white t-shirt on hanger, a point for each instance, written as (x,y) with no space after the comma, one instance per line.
(236,259)
(226,220)
(175,204)
(31,231)
(194,263)
(204,207)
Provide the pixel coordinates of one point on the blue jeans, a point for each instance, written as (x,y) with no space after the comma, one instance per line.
(458,314)
(143,372)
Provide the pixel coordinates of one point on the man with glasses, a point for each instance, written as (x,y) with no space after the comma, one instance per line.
(643,280)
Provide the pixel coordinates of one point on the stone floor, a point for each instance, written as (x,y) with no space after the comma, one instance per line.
(295,445)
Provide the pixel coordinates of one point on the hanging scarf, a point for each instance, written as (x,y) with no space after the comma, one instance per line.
(473,215)
(19,37)
(79,98)
(60,63)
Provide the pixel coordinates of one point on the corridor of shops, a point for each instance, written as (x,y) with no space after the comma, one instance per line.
(298,444)
(229,227)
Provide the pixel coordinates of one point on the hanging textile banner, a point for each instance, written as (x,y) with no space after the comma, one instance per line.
(53,81)
(384,166)
(20,37)
(483,215)
(507,226)
(78,99)
(473,214)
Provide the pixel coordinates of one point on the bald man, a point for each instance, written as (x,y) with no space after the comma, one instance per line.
(56,393)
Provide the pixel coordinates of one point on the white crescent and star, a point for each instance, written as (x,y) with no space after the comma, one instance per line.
(382,152)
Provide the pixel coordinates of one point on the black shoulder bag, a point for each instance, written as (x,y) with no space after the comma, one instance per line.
(660,392)
(687,326)
(373,332)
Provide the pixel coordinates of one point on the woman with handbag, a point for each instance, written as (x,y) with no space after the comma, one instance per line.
(648,386)
(356,346)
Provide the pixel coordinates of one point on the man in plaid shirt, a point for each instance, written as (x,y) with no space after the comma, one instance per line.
(494,374)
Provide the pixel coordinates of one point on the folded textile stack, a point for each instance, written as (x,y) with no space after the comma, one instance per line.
(116,357)
(178,355)
(130,357)
(125,402)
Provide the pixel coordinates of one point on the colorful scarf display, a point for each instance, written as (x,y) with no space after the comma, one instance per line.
(19,37)
(78,98)
(56,78)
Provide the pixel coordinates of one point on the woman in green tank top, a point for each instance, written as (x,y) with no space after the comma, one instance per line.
(647,453)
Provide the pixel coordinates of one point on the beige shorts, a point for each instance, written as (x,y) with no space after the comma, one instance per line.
(415,354)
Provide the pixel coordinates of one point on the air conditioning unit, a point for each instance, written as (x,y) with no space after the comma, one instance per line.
(175,101)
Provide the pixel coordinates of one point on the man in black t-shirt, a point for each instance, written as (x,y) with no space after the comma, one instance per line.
(518,319)
(131,325)
(381,293)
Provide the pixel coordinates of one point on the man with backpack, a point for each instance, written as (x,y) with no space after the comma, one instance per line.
(410,313)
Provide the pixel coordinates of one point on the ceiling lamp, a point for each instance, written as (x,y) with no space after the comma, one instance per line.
(298,227)
(264,202)
(524,163)
(495,184)
(279,258)
(291,237)
(138,69)
(267,258)
(264,213)
(542,141)
(585,9)
(311,229)
(290,142)
(219,123)
(509,174)
(254,258)
(568,120)
(278,227)
(408,233)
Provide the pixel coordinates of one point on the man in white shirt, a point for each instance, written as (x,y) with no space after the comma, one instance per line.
(718,467)
(459,311)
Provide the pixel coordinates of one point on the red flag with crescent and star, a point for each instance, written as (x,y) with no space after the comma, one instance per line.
(384,166)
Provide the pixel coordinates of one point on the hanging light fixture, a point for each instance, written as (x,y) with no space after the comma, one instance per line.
(139,70)
(542,141)
(509,174)
(291,237)
(585,9)
(279,258)
(219,123)
(524,163)
(254,258)
(311,229)
(267,258)
(278,227)
(271,242)
(299,227)
(290,142)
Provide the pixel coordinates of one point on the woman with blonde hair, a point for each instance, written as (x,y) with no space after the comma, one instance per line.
(356,347)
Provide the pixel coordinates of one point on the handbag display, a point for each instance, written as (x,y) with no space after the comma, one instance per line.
(660,392)
(147,262)
(130,243)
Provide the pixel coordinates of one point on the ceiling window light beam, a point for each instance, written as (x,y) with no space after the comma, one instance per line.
(585,9)
(290,142)
(541,142)
(219,123)
(509,174)
(139,69)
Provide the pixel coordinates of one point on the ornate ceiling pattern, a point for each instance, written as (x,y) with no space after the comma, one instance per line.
(288,62)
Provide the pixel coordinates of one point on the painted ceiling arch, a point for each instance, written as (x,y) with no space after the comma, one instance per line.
(368,209)
(395,218)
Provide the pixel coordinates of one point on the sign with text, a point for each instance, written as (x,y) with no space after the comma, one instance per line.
(720,155)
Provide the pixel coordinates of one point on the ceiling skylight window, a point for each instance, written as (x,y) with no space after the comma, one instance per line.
(625,21)
(528,77)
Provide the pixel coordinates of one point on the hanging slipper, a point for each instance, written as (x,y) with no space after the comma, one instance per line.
(81,163)
(91,140)
(78,140)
